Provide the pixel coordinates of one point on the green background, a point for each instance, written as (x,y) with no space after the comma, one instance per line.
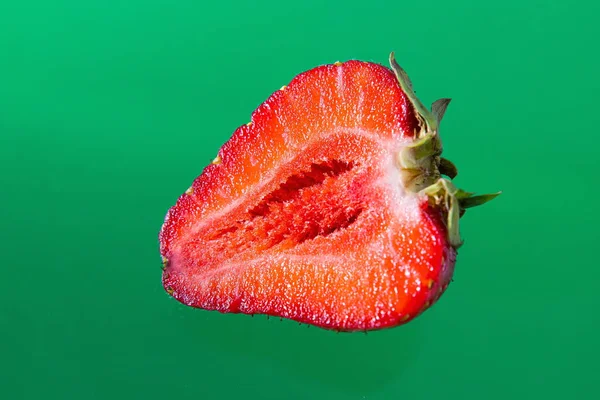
(108,111)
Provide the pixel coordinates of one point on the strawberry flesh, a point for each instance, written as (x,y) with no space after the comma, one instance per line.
(304,215)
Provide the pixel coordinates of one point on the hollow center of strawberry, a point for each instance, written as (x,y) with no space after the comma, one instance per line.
(321,203)
(307,204)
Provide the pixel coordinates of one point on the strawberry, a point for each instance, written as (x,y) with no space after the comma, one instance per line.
(328,208)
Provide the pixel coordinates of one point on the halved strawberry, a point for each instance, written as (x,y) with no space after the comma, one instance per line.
(328,208)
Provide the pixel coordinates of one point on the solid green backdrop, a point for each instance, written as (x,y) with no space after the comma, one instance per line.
(109,110)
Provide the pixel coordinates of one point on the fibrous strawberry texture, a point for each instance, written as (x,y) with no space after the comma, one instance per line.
(328,208)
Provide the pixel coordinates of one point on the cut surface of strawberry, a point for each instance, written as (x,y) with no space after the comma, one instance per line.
(328,208)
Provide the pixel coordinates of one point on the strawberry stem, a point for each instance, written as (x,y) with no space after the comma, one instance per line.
(421,164)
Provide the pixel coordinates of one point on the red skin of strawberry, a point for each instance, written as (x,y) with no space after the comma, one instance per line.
(303,214)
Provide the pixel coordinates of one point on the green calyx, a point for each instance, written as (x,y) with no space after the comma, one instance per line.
(454,202)
(421,165)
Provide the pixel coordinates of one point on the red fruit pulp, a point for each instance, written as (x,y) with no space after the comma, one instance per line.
(305,213)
